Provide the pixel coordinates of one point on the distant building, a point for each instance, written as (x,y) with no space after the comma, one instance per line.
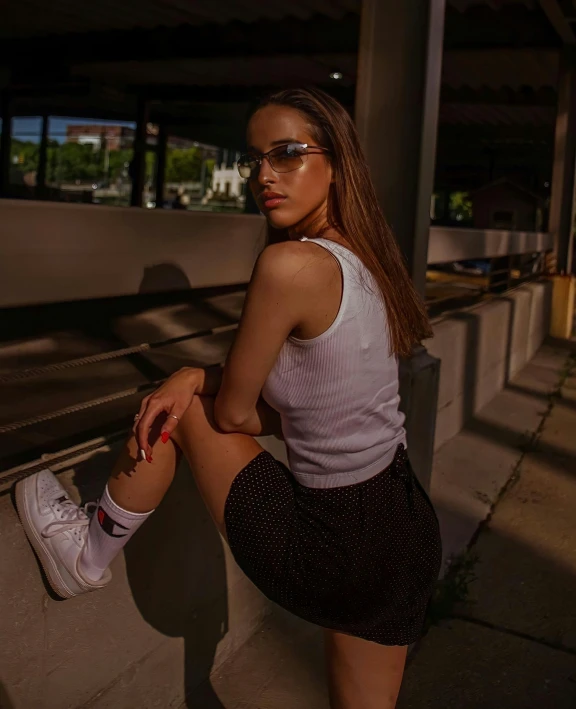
(227,181)
(505,205)
(116,137)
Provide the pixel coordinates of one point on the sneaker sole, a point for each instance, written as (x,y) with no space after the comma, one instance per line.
(54,577)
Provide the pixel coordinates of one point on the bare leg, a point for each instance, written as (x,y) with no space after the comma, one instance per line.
(215,459)
(363,674)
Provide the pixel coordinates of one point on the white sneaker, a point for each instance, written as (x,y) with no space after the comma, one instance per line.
(57,529)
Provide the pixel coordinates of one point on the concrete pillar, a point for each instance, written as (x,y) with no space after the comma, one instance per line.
(397,100)
(138,165)
(561,222)
(5,141)
(42,161)
(162,147)
(419,383)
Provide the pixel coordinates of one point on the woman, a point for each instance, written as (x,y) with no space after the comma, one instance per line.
(346,538)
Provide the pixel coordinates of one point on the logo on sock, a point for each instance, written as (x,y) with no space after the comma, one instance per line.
(109,525)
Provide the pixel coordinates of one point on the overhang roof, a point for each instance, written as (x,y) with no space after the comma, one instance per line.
(36,18)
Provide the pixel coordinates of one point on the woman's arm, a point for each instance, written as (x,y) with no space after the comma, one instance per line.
(276,302)
(265,421)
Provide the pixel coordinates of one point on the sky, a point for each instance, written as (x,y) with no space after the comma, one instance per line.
(30,128)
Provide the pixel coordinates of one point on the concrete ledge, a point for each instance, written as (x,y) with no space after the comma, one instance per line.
(482,347)
(177,608)
(471,468)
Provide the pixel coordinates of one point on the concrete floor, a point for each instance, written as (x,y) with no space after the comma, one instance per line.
(512,644)
(513,648)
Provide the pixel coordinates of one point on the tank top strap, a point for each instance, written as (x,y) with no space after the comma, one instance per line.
(345,257)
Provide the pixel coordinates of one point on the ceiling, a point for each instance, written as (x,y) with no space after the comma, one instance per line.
(202,63)
(37,18)
(189,56)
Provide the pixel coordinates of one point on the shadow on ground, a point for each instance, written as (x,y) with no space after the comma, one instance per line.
(176,571)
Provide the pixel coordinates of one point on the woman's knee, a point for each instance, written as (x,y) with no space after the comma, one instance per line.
(197,416)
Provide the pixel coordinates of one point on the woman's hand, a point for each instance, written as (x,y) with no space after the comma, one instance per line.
(171,399)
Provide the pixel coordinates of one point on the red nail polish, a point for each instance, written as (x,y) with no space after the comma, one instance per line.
(149,458)
(165,436)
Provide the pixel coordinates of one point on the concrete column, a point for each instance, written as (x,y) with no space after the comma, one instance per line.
(397,100)
(138,165)
(419,383)
(5,141)
(162,146)
(42,161)
(561,222)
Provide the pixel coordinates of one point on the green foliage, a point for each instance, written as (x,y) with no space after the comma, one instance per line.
(72,161)
(69,162)
(209,164)
(24,155)
(183,164)
(460,207)
(118,163)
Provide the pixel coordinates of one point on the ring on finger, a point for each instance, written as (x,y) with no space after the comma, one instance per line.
(173,416)
(136,417)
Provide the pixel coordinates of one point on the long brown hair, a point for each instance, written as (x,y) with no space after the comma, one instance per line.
(353,210)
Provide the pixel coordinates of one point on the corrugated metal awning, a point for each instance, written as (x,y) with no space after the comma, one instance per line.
(38,18)
(34,18)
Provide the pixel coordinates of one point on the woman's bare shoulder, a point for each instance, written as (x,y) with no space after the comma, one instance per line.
(300,262)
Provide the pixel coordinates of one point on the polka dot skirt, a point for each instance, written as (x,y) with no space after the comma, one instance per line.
(362,559)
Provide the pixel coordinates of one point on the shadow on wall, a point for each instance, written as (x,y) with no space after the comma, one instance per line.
(5,702)
(164,277)
(176,570)
(179,309)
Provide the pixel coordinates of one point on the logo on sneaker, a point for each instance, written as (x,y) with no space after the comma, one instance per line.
(110,526)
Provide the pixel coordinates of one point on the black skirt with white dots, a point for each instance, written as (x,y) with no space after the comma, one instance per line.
(362,559)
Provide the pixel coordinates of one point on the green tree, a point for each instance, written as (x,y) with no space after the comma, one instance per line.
(183,164)
(460,207)
(24,155)
(118,163)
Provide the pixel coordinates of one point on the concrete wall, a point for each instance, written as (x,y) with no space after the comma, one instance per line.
(178,605)
(52,252)
(482,347)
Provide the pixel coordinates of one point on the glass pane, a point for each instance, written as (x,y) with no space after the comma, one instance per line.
(202,177)
(89,160)
(149,196)
(24,155)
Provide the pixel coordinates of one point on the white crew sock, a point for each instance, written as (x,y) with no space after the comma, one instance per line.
(110,528)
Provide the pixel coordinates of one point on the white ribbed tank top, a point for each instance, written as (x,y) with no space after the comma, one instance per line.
(337,394)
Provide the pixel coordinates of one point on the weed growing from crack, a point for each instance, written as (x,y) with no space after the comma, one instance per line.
(453,588)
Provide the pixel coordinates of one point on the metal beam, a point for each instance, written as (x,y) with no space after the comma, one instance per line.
(42,161)
(5,143)
(563,177)
(558,20)
(162,148)
(138,164)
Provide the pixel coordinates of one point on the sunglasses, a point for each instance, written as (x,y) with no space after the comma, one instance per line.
(284,158)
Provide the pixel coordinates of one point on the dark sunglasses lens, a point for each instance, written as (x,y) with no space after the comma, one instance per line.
(287,157)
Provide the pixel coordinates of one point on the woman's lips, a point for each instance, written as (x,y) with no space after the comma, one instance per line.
(271,200)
